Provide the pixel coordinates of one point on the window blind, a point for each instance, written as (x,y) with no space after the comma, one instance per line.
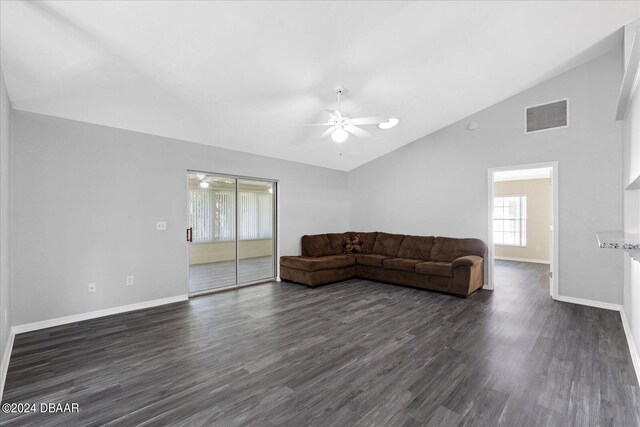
(212,215)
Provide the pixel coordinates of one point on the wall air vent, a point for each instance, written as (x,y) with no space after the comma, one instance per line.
(553,115)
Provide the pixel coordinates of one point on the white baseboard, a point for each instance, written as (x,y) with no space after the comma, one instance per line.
(590,303)
(28,327)
(536,261)
(4,366)
(635,356)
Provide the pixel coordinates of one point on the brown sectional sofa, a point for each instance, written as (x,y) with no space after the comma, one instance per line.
(443,264)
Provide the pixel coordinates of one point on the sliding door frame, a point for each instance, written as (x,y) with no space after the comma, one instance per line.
(275,233)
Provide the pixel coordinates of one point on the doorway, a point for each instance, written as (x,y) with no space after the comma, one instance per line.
(523,224)
(231,235)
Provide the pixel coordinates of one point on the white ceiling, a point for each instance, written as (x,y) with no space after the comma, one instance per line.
(245,75)
(518,175)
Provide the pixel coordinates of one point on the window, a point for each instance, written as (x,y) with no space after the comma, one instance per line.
(510,220)
(212,215)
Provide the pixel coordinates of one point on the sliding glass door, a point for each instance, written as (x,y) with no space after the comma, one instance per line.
(231,231)
(256,215)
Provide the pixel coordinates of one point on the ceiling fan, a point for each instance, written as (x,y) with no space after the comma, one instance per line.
(203,183)
(342,124)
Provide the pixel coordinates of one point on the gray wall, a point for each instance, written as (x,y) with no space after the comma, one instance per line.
(85,199)
(5,125)
(438,184)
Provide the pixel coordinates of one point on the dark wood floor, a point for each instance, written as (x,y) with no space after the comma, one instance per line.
(215,275)
(356,352)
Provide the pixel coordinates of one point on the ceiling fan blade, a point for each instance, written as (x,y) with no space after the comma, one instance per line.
(374,120)
(328,132)
(318,124)
(334,114)
(357,131)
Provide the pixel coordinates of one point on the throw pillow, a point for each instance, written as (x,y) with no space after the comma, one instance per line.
(358,245)
(352,245)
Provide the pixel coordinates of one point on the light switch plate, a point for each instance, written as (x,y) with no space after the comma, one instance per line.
(161,225)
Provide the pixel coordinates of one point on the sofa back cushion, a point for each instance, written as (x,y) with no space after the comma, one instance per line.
(446,249)
(416,247)
(336,242)
(388,244)
(316,245)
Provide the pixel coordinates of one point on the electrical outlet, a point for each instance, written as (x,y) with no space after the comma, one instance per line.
(161,225)
(129,280)
(92,288)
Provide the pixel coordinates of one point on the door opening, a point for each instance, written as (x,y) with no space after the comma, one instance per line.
(231,235)
(523,225)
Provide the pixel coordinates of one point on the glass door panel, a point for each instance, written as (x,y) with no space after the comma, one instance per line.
(256,230)
(212,232)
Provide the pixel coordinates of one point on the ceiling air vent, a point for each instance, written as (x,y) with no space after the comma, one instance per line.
(553,115)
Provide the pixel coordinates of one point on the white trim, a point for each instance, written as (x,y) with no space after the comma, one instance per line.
(635,356)
(536,261)
(590,303)
(4,366)
(547,129)
(28,327)
(555,220)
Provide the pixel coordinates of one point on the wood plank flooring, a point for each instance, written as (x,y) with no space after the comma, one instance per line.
(351,353)
(215,275)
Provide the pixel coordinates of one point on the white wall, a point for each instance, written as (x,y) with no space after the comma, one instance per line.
(631,150)
(85,199)
(438,184)
(5,125)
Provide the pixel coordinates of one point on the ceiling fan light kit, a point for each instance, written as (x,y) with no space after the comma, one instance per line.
(393,122)
(342,124)
(339,135)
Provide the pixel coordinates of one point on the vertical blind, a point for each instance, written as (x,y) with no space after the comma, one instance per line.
(510,220)
(212,215)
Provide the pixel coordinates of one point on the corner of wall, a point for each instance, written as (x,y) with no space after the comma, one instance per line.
(6,337)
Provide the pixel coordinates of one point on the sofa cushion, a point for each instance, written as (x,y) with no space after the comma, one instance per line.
(316,245)
(335,241)
(416,247)
(401,264)
(446,249)
(388,244)
(371,260)
(430,268)
(317,263)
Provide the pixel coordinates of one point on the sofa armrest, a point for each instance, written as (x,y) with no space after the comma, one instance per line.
(468,261)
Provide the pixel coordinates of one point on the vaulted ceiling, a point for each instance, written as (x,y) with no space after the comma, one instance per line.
(247,75)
